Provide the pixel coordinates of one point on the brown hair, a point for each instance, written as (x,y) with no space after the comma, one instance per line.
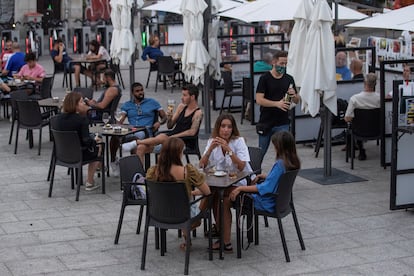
(171,153)
(152,39)
(280,54)
(95,45)
(285,147)
(71,102)
(234,134)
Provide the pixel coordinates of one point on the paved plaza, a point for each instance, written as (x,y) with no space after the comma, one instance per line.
(348,229)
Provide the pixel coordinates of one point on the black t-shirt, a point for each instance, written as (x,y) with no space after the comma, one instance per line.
(274,90)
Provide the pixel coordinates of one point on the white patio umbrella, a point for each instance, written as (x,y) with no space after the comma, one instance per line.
(122,43)
(195,58)
(213,44)
(298,39)
(319,62)
(278,10)
(400,19)
(319,73)
(174,5)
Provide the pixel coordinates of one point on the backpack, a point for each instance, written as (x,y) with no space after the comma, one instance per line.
(138,190)
(341,110)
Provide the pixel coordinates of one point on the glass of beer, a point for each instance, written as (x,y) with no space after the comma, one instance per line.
(170,106)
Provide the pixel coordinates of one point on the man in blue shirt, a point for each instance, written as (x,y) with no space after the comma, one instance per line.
(15,61)
(342,71)
(142,112)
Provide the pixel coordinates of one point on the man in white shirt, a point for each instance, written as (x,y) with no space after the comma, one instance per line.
(367,99)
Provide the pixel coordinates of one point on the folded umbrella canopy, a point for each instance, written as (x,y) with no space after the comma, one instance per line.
(122,43)
(195,58)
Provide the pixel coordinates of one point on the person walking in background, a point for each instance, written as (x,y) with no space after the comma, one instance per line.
(226,150)
(265,184)
(367,99)
(270,95)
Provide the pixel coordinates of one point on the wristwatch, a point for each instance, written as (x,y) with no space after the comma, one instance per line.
(230,153)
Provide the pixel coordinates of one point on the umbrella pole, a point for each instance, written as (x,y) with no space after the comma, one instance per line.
(132,66)
(207,79)
(327,143)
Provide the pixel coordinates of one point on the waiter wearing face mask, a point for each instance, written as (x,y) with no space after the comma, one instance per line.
(140,111)
(275,92)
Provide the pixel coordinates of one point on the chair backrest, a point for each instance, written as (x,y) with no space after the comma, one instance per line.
(166,64)
(256,158)
(284,193)
(29,113)
(129,166)
(227,81)
(58,67)
(67,147)
(167,202)
(85,91)
(46,87)
(366,123)
(246,90)
(17,95)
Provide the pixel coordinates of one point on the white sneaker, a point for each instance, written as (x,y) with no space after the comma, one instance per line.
(129,146)
(114,168)
(91,186)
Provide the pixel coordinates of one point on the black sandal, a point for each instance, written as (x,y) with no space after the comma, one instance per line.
(215,233)
(228,248)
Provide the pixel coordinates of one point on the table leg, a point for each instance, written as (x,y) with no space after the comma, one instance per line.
(221,211)
(107,155)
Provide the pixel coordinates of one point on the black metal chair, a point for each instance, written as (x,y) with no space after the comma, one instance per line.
(86,92)
(61,68)
(168,207)
(14,96)
(256,159)
(284,206)
(129,166)
(230,90)
(247,99)
(166,70)
(67,152)
(45,89)
(114,66)
(30,118)
(365,126)
(152,68)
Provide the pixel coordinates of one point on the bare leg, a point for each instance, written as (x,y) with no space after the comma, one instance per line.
(142,150)
(91,171)
(227,204)
(77,70)
(152,141)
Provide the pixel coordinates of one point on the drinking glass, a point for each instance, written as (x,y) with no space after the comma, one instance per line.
(105,117)
(118,116)
(170,106)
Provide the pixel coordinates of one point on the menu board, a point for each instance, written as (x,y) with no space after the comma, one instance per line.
(389,49)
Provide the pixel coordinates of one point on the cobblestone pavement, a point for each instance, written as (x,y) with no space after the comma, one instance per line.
(348,229)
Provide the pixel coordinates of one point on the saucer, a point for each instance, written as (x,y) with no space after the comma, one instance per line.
(220,173)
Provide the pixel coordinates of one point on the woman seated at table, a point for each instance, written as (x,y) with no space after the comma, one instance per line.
(286,159)
(227,151)
(170,169)
(97,52)
(71,120)
(31,71)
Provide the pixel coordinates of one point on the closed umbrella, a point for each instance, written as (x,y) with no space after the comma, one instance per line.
(122,44)
(174,5)
(213,44)
(319,62)
(195,58)
(297,44)
(319,73)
